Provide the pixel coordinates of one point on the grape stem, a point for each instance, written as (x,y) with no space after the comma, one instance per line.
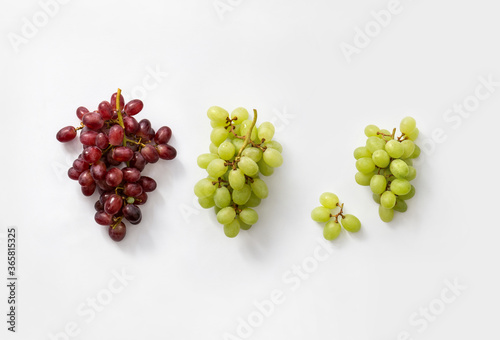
(249,134)
(118,220)
(119,113)
(80,127)
(340,213)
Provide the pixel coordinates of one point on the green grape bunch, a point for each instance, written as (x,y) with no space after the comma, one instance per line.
(240,152)
(385,164)
(332,212)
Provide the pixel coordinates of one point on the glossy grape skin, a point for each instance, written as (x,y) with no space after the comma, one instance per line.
(148,184)
(150,154)
(103,218)
(131,175)
(85,178)
(88,190)
(80,165)
(91,154)
(66,134)
(98,170)
(81,111)
(116,135)
(131,125)
(320,214)
(351,223)
(385,214)
(144,127)
(105,110)
(98,206)
(74,174)
(133,107)
(114,177)
(232,229)
(132,213)
(166,151)
(329,200)
(163,135)
(113,204)
(141,199)
(132,189)
(110,160)
(113,101)
(101,141)
(138,161)
(122,154)
(88,137)
(118,232)
(93,120)
(331,230)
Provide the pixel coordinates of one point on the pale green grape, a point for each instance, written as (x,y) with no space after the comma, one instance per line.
(364,165)
(226,150)
(371,130)
(216,210)
(226,215)
(217,124)
(361,152)
(253,153)
(242,196)
(331,230)
(245,129)
(400,206)
(400,186)
(266,131)
(416,153)
(407,125)
(378,184)
(320,214)
(259,188)
(249,216)
(248,166)
(273,144)
(399,168)
(273,158)
(265,169)
(374,143)
(244,226)
(408,147)
(328,200)
(240,114)
(351,223)
(236,179)
(205,159)
(236,130)
(204,188)
(412,173)
(388,199)
(232,229)
(394,149)
(217,114)
(409,195)
(376,198)
(414,134)
(218,135)
(253,201)
(217,168)
(381,158)
(213,149)
(238,143)
(408,161)
(387,135)
(363,179)
(206,202)
(222,197)
(385,214)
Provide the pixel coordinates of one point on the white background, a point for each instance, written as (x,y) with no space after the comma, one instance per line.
(283,58)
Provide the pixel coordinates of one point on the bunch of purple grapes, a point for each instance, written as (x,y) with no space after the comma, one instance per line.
(116,149)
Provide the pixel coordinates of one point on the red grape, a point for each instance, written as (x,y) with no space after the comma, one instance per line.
(105,110)
(98,170)
(80,165)
(91,154)
(113,204)
(116,135)
(113,101)
(103,218)
(122,154)
(131,125)
(132,189)
(133,107)
(118,232)
(74,174)
(138,161)
(141,199)
(81,111)
(88,137)
(147,183)
(131,175)
(163,135)
(114,177)
(101,141)
(66,134)
(132,213)
(93,120)
(166,151)
(85,179)
(150,154)
(89,190)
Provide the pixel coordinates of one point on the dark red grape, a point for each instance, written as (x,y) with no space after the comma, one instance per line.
(150,154)
(132,213)
(89,190)
(80,165)
(166,151)
(98,206)
(74,174)
(110,160)
(93,120)
(141,199)
(113,204)
(138,161)
(113,101)
(101,141)
(151,134)
(91,154)
(122,154)
(88,137)
(131,125)
(86,179)
(66,134)
(143,131)
(114,177)
(81,111)
(131,175)
(132,189)
(103,218)
(163,135)
(147,183)
(98,170)
(101,183)
(116,135)
(118,232)
(133,107)
(105,110)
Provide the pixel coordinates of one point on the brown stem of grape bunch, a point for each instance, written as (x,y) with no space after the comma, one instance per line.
(116,149)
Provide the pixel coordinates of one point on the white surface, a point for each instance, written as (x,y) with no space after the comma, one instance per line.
(190,281)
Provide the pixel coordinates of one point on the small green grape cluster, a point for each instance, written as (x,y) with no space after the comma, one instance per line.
(385,164)
(240,151)
(330,211)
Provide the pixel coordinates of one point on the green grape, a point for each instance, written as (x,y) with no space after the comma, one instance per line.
(331,230)
(351,223)
(253,201)
(248,166)
(213,149)
(386,135)
(244,226)
(364,165)
(217,114)
(206,202)
(265,169)
(408,147)
(412,173)
(399,168)
(273,144)
(238,143)
(385,214)
(217,124)
(226,150)
(226,215)
(361,152)
(320,214)
(266,131)
(328,200)
(400,187)
(205,159)
(216,210)
(218,135)
(204,188)
(376,198)
(259,188)
(394,149)
(371,130)
(363,179)
(409,195)
(236,179)
(217,168)
(249,216)
(407,125)
(388,200)
(232,229)
(374,143)
(413,135)
(378,184)
(240,114)
(245,129)
(408,161)
(415,153)
(254,153)
(273,157)
(400,206)
(242,196)
(381,158)
(222,197)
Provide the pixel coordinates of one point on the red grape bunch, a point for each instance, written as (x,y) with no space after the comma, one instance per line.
(116,149)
